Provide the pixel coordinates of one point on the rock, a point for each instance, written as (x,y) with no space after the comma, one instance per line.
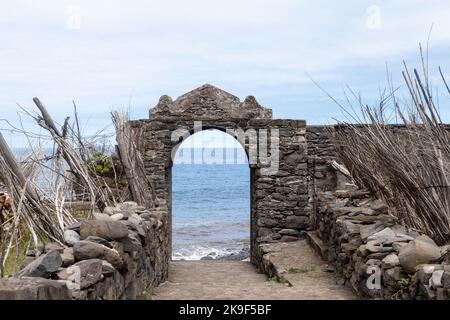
(296,222)
(109,230)
(99,240)
(88,271)
(288,239)
(288,232)
(375,246)
(266,222)
(74,226)
(32,289)
(382,236)
(367,230)
(390,261)
(44,266)
(398,245)
(71,237)
(109,211)
(53,246)
(131,243)
(84,250)
(422,250)
(436,279)
(117,216)
(388,236)
(101,216)
(107,268)
(135,219)
(67,257)
(350,227)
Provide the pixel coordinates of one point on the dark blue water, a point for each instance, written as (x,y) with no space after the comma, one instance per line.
(210,210)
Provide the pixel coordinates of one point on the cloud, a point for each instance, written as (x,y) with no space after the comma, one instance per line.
(142,49)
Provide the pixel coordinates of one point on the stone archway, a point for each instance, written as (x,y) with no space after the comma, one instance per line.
(278,168)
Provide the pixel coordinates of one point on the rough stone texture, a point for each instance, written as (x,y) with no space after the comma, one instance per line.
(422,250)
(274,197)
(43,266)
(363,240)
(32,289)
(109,230)
(128,267)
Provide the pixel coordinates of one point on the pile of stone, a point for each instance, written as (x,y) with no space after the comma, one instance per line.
(374,254)
(120,254)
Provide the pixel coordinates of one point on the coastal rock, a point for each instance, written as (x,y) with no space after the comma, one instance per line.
(43,266)
(109,230)
(71,237)
(420,251)
(85,250)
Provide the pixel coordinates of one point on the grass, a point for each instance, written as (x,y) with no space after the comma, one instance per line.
(274,279)
(301,270)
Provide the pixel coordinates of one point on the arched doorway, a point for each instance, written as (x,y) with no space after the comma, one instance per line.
(210,198)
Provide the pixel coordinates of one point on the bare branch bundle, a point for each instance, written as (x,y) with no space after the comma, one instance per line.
(100,195)
(132,161)
(30,208)
(408,165)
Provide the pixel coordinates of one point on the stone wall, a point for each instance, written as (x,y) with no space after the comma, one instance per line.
(373,254)
(119,254)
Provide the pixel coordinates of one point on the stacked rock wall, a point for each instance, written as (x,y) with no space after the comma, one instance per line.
(374,254)
(120,254)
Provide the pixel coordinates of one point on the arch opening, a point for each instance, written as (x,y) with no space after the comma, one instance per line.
(211,202)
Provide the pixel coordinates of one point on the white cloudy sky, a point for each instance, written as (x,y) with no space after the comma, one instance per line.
(128,53)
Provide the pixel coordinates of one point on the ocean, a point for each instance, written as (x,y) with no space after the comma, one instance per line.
(210,211)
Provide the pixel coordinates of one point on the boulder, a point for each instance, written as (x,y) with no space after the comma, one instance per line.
(390,261)
(85,250)
(32,289)
(367,230)
(436,279)
(89,272)
(67,257)
(74,226)
(99,240)
(288,232)
(53,246)
(296,222)
(422,250)
(109,230)
(101,216)
(268,223)
(107,268)
(117,216)
(71,237)
(44,266)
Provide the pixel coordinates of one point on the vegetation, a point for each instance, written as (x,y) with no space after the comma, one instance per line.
(407,165)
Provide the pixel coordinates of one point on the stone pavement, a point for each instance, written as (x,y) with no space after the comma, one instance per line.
(304,274)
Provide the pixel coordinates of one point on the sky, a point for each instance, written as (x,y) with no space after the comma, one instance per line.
(124,55)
